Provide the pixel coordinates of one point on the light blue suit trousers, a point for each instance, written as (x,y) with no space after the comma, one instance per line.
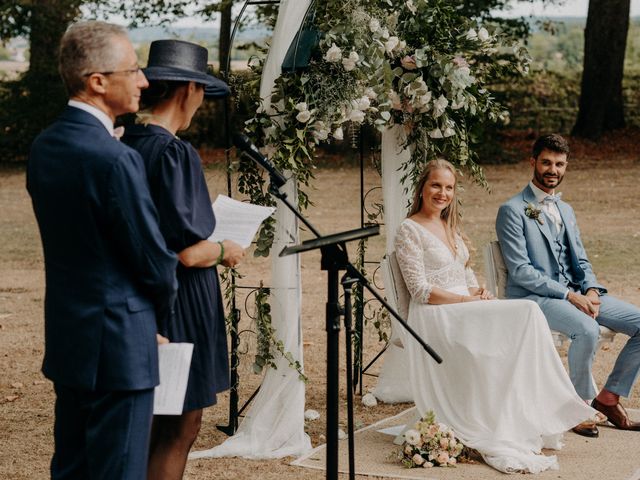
(535,274)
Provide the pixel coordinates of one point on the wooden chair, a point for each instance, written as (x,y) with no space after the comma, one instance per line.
(496,276)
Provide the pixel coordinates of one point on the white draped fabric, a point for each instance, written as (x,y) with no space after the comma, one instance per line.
(274,424)
(393,382)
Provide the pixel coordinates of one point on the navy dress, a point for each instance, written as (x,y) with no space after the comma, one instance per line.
(180,193)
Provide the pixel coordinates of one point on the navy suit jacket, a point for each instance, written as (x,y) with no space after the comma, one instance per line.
(109,274)
(526,246)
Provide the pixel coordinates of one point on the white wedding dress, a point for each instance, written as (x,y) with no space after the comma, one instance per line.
(501,387)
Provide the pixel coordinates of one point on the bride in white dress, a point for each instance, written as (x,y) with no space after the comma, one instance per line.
(501,386)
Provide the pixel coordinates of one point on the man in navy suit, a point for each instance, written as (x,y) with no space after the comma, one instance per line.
(547,263)
(109,274)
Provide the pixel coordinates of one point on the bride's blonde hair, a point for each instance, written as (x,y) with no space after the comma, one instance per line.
(450,215)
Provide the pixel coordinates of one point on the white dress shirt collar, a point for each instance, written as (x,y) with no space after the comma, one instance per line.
(550,209)
(538,192)
(96,112)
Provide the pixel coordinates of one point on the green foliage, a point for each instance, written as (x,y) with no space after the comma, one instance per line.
(268,345)
(27,106)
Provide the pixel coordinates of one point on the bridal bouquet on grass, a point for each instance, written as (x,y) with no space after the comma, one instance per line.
(430,444)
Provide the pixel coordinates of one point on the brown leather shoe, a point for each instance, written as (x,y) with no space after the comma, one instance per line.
(616,415)
(587,428)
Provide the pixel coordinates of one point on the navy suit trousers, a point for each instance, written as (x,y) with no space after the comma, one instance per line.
(101,435)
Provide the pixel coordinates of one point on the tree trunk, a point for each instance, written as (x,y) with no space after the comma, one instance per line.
(601,105)
(49,21)
(224,45)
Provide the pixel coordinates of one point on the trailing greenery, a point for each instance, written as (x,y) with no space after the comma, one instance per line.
(268,344)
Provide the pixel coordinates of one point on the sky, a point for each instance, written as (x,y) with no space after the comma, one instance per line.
(569,8)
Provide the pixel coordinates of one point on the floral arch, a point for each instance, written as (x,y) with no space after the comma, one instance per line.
(417,70)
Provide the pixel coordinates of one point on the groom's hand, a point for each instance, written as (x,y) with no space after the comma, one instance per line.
(585,303)
(593,295)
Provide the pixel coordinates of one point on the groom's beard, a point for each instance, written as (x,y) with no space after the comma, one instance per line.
(548,180)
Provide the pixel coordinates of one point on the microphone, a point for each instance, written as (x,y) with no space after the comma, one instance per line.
(242,142)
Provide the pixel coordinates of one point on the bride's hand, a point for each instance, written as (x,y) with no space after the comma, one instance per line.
(485,294)
(480,293)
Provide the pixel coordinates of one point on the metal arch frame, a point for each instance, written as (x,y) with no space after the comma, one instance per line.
(358,369)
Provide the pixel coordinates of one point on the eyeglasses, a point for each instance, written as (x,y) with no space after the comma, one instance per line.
(130,71)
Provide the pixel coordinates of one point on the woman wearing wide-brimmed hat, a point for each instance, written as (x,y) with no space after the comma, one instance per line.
(178,83)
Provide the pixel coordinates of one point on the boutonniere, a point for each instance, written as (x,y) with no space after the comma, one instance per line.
(532,211)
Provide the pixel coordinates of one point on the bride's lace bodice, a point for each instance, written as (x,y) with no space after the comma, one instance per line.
(426,262)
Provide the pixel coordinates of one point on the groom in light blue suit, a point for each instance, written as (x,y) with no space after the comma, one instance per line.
(547,263)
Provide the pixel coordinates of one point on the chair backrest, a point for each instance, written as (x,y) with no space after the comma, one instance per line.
(397,293)
(495,269)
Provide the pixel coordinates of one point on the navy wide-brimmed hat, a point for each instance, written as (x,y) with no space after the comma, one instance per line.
(176,60)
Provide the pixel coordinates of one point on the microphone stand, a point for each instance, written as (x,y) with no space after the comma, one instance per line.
(334,259)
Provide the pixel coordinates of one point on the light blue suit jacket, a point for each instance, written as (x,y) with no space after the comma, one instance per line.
(528,254)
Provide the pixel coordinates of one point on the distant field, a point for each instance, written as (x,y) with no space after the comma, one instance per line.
(11,68)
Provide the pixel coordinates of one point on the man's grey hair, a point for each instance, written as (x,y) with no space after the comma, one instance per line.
(86,47)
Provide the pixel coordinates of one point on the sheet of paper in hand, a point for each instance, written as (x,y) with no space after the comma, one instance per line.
(175,360)
(237,221)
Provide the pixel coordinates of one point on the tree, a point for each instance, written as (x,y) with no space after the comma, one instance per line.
(601,106)
(31,102)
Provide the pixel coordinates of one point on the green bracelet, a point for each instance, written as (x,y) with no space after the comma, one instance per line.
(221,256)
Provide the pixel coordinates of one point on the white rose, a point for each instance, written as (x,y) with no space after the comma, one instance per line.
(374,25)
(254,62)
(320,131)
(384,33)
(417,459)
(350,62)
(356,116)
(370,92)
(423,100)
(302,106)
(448,132)
(362,103)
(338,134)
(391,44)
(427,464)
(442,458)
(304,116)
(412,437)
(483,35)
(436,133)
(471,34)
(412,8)
(334,54)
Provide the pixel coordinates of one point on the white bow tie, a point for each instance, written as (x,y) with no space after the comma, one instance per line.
(118,132)
(552,198)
